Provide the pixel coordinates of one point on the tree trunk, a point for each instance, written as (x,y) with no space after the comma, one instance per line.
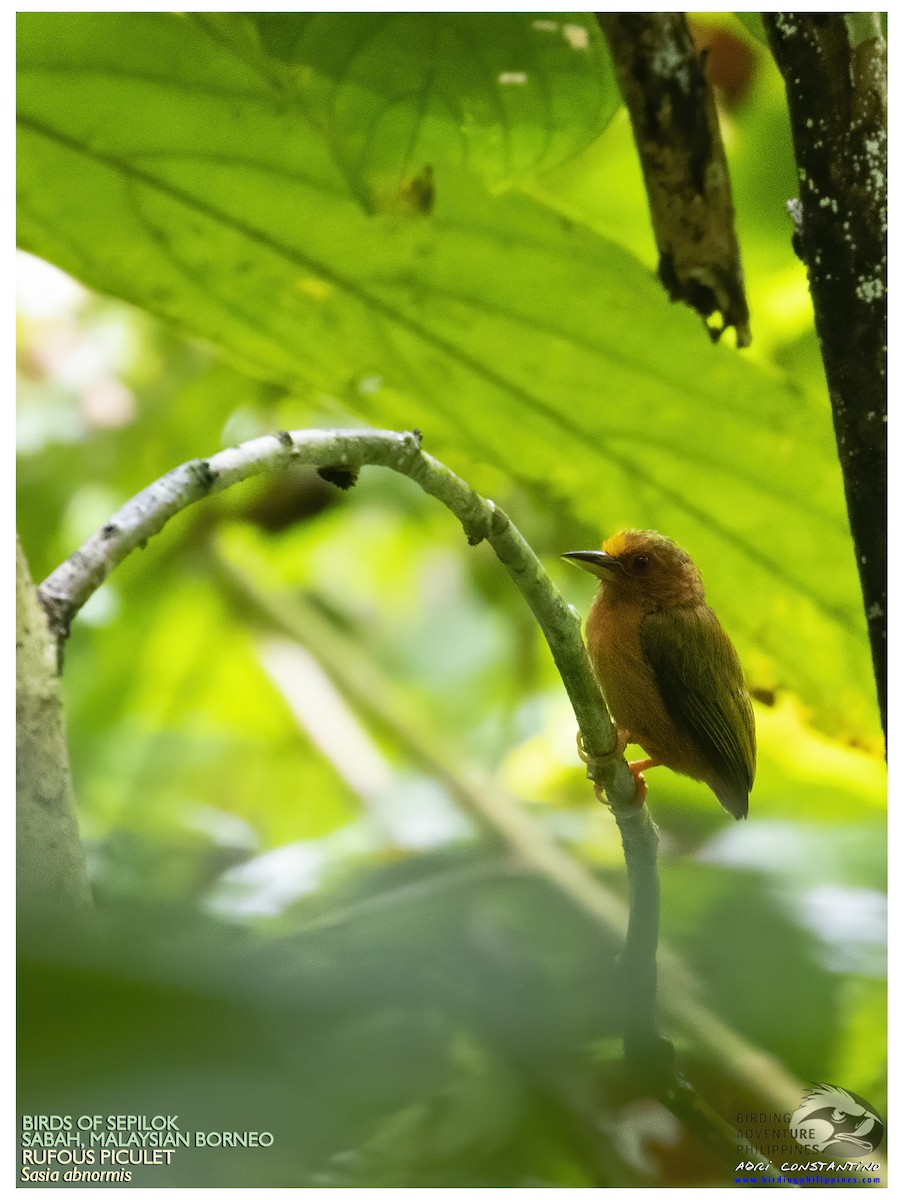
(50,867)
(834,68)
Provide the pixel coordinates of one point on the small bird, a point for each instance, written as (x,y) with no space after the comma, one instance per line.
(670,675)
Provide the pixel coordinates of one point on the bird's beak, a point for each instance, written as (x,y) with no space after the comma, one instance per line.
(598,562)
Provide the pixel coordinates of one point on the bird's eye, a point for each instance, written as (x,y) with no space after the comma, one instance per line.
(640,563)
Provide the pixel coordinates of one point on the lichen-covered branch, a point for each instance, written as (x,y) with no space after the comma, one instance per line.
(346,451)
(342,453)
(834,68)
(676,131)
(50,870)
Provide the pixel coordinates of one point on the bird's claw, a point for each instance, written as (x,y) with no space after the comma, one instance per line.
(601,795)
(582,753)
(623,737)
(622,740)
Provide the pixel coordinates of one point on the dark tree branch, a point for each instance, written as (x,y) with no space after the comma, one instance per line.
(676,130)
(834,71)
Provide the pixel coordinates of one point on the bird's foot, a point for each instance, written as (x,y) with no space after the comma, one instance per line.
(622,740)
(582,753)
(623,737)
(637,769)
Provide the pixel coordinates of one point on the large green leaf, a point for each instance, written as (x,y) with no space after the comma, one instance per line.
(501,93)
(184,164)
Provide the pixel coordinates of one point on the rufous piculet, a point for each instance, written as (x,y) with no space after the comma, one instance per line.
(671,677)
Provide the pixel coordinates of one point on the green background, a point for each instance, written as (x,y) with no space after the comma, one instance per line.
(432,221)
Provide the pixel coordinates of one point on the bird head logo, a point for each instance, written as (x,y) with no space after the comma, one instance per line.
(832,1119)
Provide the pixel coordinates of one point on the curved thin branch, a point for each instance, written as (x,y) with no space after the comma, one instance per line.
(339,455)
(342,453)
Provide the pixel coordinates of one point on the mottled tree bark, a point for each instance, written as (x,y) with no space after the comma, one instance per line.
(676,131)
(834,69)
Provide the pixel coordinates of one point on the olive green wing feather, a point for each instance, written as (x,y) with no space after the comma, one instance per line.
(702,687)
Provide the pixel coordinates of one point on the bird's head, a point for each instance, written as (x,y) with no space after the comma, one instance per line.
(643,566)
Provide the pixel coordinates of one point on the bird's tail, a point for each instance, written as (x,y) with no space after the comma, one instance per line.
(733,800)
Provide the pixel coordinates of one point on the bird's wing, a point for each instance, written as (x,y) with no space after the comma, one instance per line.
(702,687)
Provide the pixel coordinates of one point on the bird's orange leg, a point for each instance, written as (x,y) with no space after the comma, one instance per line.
(637,770)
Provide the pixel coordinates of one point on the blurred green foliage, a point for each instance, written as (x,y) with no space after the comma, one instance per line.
(302,930)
